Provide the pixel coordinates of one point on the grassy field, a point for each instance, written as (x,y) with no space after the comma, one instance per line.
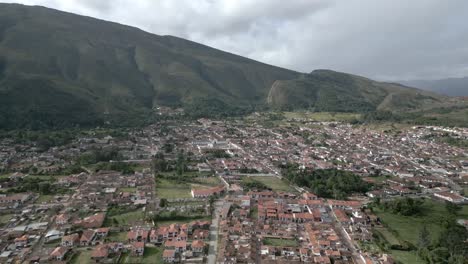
(45,198)
(276,184)
(152,255)
(388,236)
(82,257)
(168,222)
(5,218)
(408,227)
(278,242)
(128,189)
(171,190)
(117,236)
(322,116)
(407,257)
(208,181)
(128,218)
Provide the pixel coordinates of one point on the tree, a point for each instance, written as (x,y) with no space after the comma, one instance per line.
(452,208)
(180,165)
(159,163)
(424,240)
(163,202)
(453,238)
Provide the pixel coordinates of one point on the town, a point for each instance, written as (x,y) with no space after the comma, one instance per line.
(251,190)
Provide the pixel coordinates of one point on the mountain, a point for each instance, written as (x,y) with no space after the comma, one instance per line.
(59,69)
(326,90)
(450,86)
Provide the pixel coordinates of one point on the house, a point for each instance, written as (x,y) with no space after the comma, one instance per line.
(138,235)
(93,221)
(61,219)
(21,241)
(102,232)
(198,247)
(451,197)
(58,253)
(309,196)
(87,237)
(70,240)
(169,255)
(200,234)
(178,246)
(100,252)
(138,248)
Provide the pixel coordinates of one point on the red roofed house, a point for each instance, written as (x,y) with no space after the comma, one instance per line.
(198,247)
(169,255)
(87,237)
(178,246)
(21,241)
(138,248)
(138,235)
(93,221)
(451,197)
(100,252)
(70,240)
(61,219)
(58,253)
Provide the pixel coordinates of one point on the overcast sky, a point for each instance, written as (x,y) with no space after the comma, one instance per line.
(386,40)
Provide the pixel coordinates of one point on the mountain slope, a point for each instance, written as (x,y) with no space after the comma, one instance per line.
(79,69)
(59,69)
(326,90)
(450,86)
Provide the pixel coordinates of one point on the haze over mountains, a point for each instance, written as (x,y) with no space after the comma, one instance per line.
(449,86)
(58,69)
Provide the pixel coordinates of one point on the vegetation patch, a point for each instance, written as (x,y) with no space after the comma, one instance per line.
(280,242)
(275,183)
(329,183)
(172,190)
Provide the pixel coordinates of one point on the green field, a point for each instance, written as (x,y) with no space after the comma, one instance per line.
(168,222)
(407,257)
(45,198)
(278,242)
(172,190)
(152,255)
(82,257)
(117,236)
(276,184)
(408,227)
(322,116)
(128,189)
(129,218)
(5,218)
(388,235)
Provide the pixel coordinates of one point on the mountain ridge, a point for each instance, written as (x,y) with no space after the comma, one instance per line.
(60,69)
(448,86)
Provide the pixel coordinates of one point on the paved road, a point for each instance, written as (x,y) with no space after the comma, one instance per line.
(213,251)
(348,240)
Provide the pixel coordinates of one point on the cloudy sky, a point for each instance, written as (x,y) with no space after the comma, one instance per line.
(382,39)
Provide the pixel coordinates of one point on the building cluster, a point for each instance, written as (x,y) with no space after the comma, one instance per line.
(253,226)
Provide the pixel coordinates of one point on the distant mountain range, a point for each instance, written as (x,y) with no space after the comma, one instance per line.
(450,86)
(60,69)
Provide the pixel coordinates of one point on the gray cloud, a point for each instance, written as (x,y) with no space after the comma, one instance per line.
(391,39)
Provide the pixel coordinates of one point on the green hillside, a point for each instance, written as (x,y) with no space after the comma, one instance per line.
(330,91)
(58,68)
